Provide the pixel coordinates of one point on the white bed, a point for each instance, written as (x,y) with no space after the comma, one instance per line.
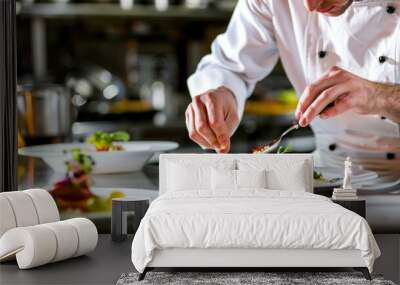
(267,218)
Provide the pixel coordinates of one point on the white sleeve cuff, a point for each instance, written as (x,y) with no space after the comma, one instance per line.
(212,78)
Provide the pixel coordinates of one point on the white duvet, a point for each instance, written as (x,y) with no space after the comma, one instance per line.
(250,219)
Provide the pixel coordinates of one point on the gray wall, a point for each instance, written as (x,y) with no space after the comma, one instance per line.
(389,262)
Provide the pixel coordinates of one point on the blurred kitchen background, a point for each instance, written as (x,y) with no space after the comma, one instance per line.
(122,65)
(109,65)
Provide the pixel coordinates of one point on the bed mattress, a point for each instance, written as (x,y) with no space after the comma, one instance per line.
(250,219)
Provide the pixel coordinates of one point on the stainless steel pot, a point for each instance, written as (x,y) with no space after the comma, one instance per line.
(44,111)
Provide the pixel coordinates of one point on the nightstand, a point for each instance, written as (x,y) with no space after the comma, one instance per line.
(121,209)
(356,206)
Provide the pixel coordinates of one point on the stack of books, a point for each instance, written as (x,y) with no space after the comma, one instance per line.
(344,194)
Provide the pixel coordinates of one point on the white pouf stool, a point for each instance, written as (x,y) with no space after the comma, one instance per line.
(31,231)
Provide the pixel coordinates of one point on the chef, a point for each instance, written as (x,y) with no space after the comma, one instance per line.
(343,59)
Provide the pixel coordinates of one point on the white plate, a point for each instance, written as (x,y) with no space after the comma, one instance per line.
(333,177)
(132,158)
(129,192)
(382,184)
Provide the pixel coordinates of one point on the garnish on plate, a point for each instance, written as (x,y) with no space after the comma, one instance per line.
(276,142)
(73,191)
(261,149)
(104,141)
(283,149)
(319,176)
(264,149)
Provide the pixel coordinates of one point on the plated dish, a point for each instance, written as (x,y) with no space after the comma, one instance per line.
(74,194)
(328,177)
(102,208)
(132,157)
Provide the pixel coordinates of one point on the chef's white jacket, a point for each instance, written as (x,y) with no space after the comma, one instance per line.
(365,40)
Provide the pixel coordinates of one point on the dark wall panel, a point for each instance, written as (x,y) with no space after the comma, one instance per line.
(8,121)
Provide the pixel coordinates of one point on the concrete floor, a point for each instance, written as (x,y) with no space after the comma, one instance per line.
(103,266)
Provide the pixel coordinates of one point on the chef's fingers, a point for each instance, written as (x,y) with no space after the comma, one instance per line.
(194,136)
(322,101)
(342,105)
(202,124)
(329,79)
(232,121)
(311,5)
(216,121)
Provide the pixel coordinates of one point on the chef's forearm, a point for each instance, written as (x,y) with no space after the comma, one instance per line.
(389,98)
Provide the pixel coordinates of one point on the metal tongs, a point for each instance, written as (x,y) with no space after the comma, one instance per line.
(275,143)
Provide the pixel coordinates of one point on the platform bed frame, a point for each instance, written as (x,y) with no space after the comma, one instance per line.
(256,260)
(244,259)
(363,270)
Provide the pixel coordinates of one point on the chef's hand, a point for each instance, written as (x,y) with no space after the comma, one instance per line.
(328,7)
(211,119)
(338,91)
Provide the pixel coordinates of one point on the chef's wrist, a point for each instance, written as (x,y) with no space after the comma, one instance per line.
(238,97)
(388,100)
(230,92)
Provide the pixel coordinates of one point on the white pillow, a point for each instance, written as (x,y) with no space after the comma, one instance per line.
(237,179)
(297,180)
(251,179)
(284,173)
(187,175)
(183,178)
(223,179)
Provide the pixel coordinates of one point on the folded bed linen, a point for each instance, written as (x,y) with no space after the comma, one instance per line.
(250,219)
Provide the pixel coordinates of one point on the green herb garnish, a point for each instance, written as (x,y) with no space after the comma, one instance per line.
(84,161)
(104,141)
(318,175)
(283,149)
